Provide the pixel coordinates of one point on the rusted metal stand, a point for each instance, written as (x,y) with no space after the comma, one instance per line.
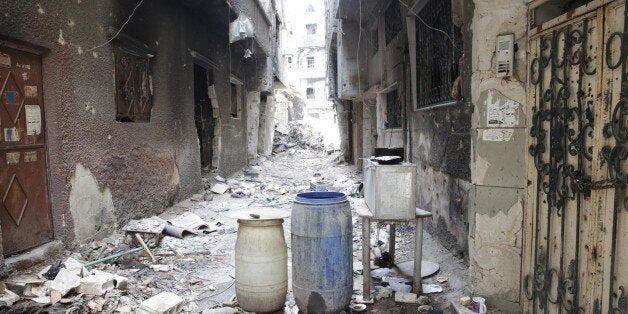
(367,218)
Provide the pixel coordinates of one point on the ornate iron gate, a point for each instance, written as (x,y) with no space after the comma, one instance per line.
(576,223)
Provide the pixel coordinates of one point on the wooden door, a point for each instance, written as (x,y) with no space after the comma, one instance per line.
(24,208)
(576,218)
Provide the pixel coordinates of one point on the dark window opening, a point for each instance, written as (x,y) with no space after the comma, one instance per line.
(436,76)
(203,114)
(134,95)
(236,101)
(393,110)
(310,62)
(311,29)
(309,93)
(393,20)
(552,9)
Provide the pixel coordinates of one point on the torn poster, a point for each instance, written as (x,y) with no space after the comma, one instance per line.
(501,111)
(5,60)
(30,91)
(497,135)
(13,158)
(33,119)
(30,156)
(11,135)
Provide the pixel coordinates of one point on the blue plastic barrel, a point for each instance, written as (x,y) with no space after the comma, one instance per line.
(322,259)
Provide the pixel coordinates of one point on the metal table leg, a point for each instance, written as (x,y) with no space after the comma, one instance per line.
(391,243)
(418,255)
(366,258)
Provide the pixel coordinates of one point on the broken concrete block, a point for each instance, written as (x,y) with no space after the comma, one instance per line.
(96,284)
(29,286)
(119,282)
(405,297)
(383,292)
(65,282)
(163,303)
(9,297)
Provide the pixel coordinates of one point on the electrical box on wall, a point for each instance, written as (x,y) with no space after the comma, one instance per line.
(504,53)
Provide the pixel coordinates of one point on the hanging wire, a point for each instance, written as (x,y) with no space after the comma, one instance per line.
(119,30)
(453,43)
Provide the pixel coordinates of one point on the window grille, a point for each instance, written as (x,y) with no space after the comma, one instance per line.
(310,62)
(438,59)
(393,110)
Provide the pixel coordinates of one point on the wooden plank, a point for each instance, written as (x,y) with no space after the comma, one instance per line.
(595,214)
(527,265)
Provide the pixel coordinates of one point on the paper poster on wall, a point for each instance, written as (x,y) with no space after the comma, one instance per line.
(5,60)
(501,111)
(33,119)
(497,135)
(30,156)
(30,91)
(11,135)
(13,158)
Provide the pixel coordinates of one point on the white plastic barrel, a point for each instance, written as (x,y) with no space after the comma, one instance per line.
(261,265)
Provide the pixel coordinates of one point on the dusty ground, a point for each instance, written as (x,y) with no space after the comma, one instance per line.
(200,268)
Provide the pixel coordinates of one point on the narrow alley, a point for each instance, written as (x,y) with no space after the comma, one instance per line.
(313,156)
(200,268)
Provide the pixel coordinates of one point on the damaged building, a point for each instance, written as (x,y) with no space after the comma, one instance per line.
(510,111)
(113,110)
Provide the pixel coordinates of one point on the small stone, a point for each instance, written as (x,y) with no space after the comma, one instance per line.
(9,297)
(425,308)
(405,297)
(423,300)
(465,301)
(383,292)
(160,267)
(125,309)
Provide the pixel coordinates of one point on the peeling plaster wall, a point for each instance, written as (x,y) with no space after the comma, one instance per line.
(267,126)
(498,155)
(252,123)
(440,145)
(145,167)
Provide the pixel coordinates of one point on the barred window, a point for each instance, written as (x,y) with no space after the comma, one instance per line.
(436,76)
(393,110)
(310,62)
(134,91)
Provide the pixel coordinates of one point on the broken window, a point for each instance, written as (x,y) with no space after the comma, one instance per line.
(393,20)
(393,110)
(236,98)
(310,62)
(134,94)
(311,29)
(309,93)
(436,76)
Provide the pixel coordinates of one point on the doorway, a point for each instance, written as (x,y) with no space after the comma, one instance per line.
(204,115)
(24,206)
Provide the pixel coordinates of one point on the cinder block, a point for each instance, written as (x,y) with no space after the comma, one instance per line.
(163,303)
(97,284)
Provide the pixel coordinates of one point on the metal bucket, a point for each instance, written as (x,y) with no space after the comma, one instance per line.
(322,259)
(261,265)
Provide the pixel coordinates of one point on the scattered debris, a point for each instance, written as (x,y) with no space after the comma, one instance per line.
(65,281)
(8,297)
(53,270)
(431,288)
(442,279)
(160,267)
(425,308)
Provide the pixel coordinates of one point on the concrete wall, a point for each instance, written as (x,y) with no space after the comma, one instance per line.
(100,168)
(498,155)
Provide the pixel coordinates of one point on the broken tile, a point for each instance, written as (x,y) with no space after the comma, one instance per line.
(220,188)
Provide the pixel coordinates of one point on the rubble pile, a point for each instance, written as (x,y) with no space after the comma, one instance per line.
(297,134)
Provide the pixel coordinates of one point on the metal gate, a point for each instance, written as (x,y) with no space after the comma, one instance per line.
(24,207)
(576,222)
